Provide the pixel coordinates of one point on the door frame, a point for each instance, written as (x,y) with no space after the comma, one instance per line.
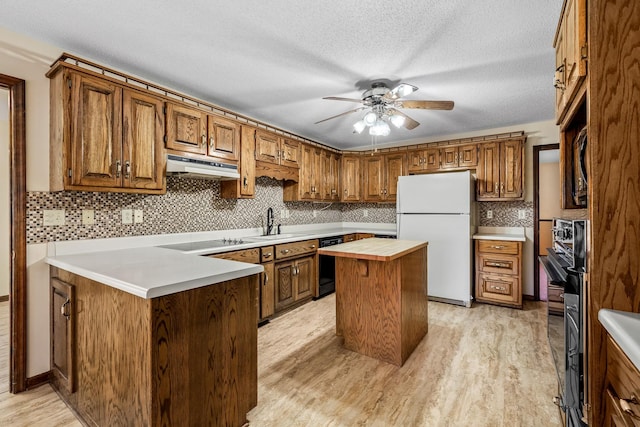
(536,213)
(18,210)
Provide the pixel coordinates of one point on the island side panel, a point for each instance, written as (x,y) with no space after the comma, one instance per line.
(113,354)
(415,302)
(205,354)
(368,304)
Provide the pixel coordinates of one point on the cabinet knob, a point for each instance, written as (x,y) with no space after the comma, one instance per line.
(285,251)
(267,255)
(204,140)
(212,142)
(626,408)
(312,247)
(127,169)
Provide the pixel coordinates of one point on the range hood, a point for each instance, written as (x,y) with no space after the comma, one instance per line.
(201,169)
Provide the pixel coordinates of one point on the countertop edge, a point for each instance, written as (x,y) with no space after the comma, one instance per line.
(499,236)
(331,250)
(621,325)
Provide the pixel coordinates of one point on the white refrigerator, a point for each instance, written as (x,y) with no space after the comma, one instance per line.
(440,209)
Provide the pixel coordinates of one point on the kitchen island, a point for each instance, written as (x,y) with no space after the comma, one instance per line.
(151,336)
(381,296)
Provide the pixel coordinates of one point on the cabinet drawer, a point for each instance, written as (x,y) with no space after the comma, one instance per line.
(497,288)
(247,255)
(499,247)
(288,250)
(502,264)
(267,254)
(349,238)
(623,378)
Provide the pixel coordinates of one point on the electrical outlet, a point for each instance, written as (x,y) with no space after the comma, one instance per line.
(53,217)
(286,212)
(138,216)
(365,213)
(282,213)
(522,214)
(88,217)
(315,213)
(489,214)
(127,216)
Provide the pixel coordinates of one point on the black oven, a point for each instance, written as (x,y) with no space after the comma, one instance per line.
(327,267)
(565,266)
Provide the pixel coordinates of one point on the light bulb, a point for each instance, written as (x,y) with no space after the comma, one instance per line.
(404,90)
(397,120)
(359,126)
(380,128)
(370,118)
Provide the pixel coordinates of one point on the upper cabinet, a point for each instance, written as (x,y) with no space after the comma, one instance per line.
(500,171)
(380,176)
(245,187)
(194,131)
(272,148)
(463,156)
(104,136)
(350,178)
(330,176)
(571,55)
(424,160)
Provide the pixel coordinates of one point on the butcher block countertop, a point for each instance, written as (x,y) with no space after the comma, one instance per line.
(374,249)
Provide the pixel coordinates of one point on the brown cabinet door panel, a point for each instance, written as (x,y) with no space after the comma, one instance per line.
(224,138)
(267,147)
(416,159)
(186,129)
(143,140)
(350,178)
(395,167)
(304,278)
(449,158)
(373,181)
(267,291)
(96,132)
(431,159)
(468,156)
(284,291)
(63,344)
(290,153)
(488,171)
(511,169)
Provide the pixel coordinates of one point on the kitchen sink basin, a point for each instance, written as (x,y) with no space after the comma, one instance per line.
(272,237)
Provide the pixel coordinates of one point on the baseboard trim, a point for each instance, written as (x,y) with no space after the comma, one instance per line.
(38,380)
(528,297)
(4,298)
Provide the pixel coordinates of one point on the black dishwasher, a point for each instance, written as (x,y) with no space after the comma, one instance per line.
(327,267)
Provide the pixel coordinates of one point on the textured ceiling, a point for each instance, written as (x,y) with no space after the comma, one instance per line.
(275,60)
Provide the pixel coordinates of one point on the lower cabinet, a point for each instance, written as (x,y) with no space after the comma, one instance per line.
(63,318)
(499,272)
(294,281)
(267,283)
(622,385)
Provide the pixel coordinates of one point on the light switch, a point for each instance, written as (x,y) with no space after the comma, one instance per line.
(365,213)
(88,217)
(315,213)
(138,216)
(522,214)
(127,216)
(53,217)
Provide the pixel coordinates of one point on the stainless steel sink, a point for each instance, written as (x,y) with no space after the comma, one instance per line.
(272,237)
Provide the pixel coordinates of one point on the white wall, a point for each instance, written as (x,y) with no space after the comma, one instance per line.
(29,60)
(5,244)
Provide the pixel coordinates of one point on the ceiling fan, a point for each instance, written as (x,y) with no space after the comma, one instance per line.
(383,105)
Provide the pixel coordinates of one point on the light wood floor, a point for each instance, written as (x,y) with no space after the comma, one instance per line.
(484,366)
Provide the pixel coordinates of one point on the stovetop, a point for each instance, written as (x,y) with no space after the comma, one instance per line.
(204,244)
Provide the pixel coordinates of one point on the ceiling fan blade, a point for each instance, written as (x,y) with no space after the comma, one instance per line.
(342,114)
(403,89)
(425,105)
(337,98)
(409,123)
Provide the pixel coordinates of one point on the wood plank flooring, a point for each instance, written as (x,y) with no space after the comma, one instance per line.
(484,366)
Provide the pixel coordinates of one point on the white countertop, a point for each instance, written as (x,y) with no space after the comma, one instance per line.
(514,234)
(152,272)
(135,265)
(624,328)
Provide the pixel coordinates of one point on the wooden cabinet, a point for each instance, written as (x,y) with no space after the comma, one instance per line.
(349,238)
(622,386)
(244,187)
(500,172)
(274,149)
(424,160)
(63,318)
(463,156)
(104,136)
(330,176)
(193,131)
(499,272)
(310,171)
(267,283)
(571,54)
(381,176)
(251,256)
(350,178)
(296,273)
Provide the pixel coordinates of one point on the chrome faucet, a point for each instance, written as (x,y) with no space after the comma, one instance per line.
(269,221)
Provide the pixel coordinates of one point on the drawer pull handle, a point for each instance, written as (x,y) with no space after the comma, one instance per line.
(266,279)
(312,247)
(498,264)
(499,288)
(267,255)
(64,309)
(497,247)
(626,408)
(285,251)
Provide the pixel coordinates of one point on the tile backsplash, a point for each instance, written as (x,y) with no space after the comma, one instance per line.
(192,205)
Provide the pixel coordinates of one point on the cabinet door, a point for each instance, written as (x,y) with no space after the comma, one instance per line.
(350,178)
(316,173)
(245,186)
(488,171)
(431,159)
(290,151)
(416,159)
(143,124)
(224,138)
(395,167)
(468,156)
(335,177)
(559,78)
(449,158)
(511,175)
(96,132)
(186,129)
(267,147)
(63,333)
(305,278)
(284,291)
(305,182)
(267,291)
(373,167)
(325,175)
(574,21)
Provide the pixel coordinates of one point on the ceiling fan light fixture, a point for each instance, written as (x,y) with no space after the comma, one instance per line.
(405,89)
(380,128)
(359,126)
(397,120)
(370,118)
